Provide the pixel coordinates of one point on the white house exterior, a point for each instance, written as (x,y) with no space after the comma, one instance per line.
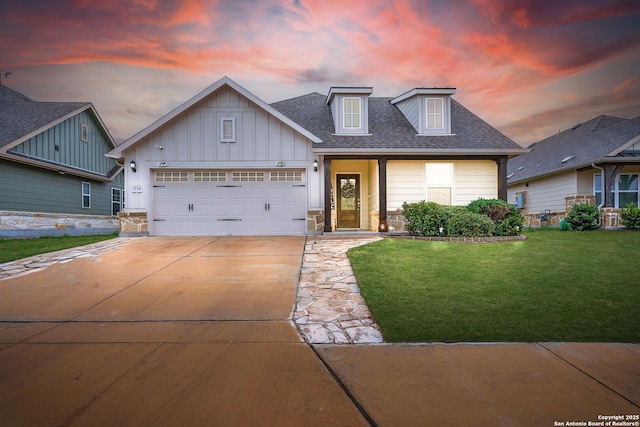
(225,162)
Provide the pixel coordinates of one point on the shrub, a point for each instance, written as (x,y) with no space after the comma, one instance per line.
(631,217)
(507,219)
(564,225)
(425,218)
(583,217)
(469,224)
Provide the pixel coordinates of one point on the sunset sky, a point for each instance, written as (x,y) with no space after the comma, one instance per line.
(528,67)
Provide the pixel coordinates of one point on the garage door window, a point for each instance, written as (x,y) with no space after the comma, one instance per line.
(248,176)
(210,176)
(171,177)
(288,176)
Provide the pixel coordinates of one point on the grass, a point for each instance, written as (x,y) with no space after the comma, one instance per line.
(13,249)
(555,286)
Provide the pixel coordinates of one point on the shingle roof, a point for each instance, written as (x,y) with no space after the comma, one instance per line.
(391,131)
(589,142)
(20,115)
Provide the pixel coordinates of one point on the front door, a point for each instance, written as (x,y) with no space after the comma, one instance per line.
(348,201)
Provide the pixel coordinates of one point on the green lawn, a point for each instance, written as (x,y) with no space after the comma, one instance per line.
(13,249)
(555,286)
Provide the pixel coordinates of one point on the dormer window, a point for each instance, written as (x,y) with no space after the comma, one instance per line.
(352,113)
(435,113)
(427,109)
(349,107)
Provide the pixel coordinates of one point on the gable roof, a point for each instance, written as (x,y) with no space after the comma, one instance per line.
(117,152)
(391,132)
(599,140)
(21,117)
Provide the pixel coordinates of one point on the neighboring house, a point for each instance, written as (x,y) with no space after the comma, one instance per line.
(226,162)
(596,162)
(54,176)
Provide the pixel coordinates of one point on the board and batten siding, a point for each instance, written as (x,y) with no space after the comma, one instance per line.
(30,189)
(472,179)
(62,144)
(192,141)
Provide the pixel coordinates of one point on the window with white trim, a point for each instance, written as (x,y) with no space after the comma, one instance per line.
(209,176)
(250,176)
(625,190)
(352,113)
(117,200)
(172,177)
(84,132)
(86,195)
(435,113)
(228,129)
(439,183)
(286,176)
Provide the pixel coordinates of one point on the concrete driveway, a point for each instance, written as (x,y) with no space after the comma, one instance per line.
(198,331)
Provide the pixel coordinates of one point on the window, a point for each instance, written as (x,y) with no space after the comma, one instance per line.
(435,113)
(210,176)
(228,129)
(440,183)
(84,132)
(289,176)
(248,176)
(171,177)
(86,195)
(117,201)
(625,190)
(352,118)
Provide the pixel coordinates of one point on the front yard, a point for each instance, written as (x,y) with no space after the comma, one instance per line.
(555,286)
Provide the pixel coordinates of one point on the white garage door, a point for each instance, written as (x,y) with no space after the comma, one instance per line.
(214,202)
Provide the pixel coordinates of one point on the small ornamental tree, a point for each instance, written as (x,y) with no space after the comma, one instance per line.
(631,217)
(583,217)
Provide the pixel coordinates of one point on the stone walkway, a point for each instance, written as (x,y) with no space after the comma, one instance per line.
(329,308)
(38,262)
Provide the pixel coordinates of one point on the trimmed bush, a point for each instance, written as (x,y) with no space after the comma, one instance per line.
(583,217)
(631,217)
(507,219)
(425,218)
(469,224)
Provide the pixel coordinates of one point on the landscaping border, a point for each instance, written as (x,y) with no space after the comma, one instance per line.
(491,239)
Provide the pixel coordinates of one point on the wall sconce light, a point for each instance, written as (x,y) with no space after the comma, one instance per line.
(315,165)
(133,165)
(162,164)
(279,163)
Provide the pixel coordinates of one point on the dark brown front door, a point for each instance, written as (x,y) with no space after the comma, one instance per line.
(348,201)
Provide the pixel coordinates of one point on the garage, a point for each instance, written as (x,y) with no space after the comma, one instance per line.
(228,202)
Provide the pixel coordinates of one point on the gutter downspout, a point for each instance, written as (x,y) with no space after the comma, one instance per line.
(601,186)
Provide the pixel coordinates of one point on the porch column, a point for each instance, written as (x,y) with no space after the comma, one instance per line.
(382,194)
(610,174)
(502,178)
(327,196)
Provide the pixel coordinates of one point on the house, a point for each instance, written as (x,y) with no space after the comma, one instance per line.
(226,162)
(594,162)
(54,176)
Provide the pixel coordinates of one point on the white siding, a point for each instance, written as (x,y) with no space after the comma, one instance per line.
(472,179)
(192,140)
(550,192)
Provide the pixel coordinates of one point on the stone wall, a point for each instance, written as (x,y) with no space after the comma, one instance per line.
(133,224)
(20,225)
(315,222)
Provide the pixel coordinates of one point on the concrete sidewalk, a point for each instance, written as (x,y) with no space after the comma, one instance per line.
(197,331)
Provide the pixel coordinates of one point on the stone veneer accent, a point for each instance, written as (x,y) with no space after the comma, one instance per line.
(19,225)
(315,221)
(133,224)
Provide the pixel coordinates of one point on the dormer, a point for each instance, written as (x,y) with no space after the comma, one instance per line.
(350,109)
(427,109)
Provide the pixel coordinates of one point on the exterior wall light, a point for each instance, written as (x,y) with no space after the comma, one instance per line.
(133,165)
(315,165)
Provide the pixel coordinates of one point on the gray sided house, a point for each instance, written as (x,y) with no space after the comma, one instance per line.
(595,162)
(54,176)
(225,162)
